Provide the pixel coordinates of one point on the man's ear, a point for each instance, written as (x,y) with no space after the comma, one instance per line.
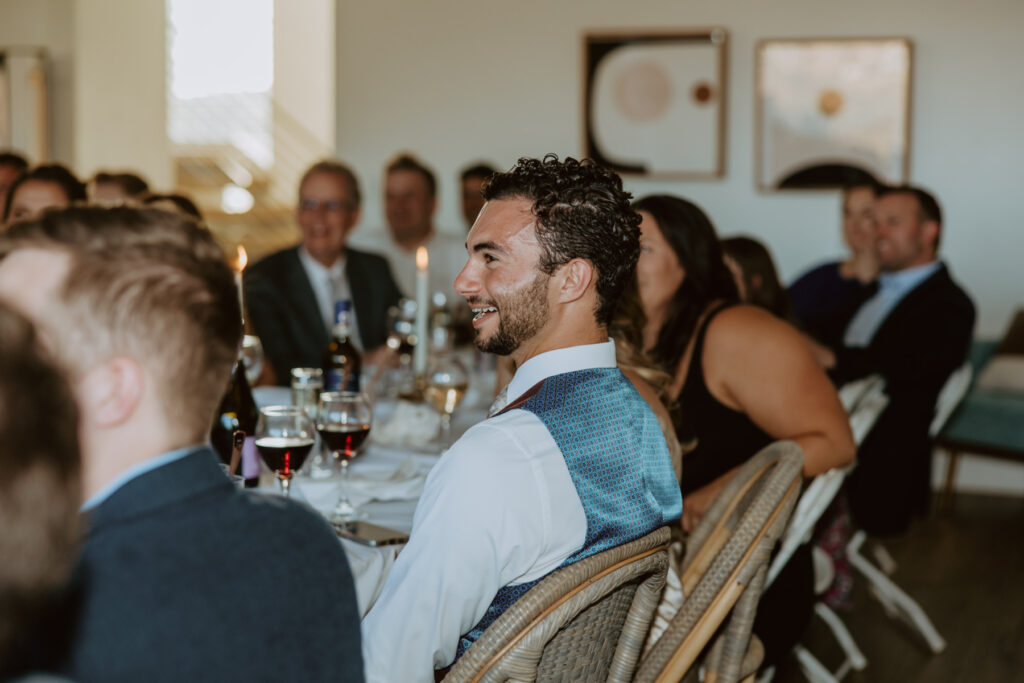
(574,279)
(110,393)
(930,231)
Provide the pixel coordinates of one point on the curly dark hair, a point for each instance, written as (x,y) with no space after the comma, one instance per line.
(692,237)
(582,212)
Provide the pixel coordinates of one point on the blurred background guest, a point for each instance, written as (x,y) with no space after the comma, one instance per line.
(182,572)
(40,188)
(12,165)
(173,202)
(757,281)
(742,379)
(290,294)
(40,492)
(823,290)
(471,182)
(410,203)
(914,329)
(108,187)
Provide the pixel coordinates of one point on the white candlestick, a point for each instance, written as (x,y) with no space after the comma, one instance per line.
(243,259)
(419,358)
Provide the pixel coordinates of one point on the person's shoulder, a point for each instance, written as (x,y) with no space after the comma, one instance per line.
(941,295)
(956,292)
(825,271)
(267,513)
(745,328)
(740,320)
(513,444)
(274,262)
(370,260)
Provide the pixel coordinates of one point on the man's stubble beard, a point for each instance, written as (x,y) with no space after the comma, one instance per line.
(522,315)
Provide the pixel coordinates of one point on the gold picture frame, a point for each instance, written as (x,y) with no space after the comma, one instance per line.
(833,111)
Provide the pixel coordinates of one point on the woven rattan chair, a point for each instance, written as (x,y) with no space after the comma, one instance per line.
(584,622)
(725,567)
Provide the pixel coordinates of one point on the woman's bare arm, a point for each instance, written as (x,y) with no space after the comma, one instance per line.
(761,366)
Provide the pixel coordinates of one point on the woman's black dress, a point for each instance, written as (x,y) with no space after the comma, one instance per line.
(724,439)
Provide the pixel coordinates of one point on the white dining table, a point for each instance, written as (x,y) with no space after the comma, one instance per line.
(369,565)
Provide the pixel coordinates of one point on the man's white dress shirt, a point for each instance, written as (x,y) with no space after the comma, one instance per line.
(330,285)
(892,288)
(499,508)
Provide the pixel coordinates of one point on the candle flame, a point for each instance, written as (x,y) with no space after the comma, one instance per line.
(422,258)
(243,258)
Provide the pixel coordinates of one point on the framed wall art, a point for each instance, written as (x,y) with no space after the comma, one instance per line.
(23,101)
(831,112)
(654,103)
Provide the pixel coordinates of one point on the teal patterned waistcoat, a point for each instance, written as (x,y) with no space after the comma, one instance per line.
(618,461)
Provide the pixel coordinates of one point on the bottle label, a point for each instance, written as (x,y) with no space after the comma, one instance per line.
(250,459)
(335,380)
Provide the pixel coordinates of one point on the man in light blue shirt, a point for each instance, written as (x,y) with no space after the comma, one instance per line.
(914,331)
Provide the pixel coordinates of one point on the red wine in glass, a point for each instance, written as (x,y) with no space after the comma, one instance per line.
(344,439)
(284,454)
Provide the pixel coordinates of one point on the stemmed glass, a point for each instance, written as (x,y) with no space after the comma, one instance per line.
(344,420)
(447,382)
(284,437)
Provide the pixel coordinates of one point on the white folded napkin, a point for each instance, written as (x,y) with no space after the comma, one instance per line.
(404,483)
(410,424)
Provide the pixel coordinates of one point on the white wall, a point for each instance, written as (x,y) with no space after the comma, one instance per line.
(458,80)
(304,88)
(48,24)
(120,88)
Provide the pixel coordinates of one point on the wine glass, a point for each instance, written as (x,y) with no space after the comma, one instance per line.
(447,382)
(252,357)
(284,437)
(343,421)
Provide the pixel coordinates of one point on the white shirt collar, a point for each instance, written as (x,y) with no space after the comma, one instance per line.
(558,361)
(312,266)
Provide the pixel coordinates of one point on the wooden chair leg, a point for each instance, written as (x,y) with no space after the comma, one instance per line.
(948,487)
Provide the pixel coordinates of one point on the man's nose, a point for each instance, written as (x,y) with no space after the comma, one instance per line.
(466,282)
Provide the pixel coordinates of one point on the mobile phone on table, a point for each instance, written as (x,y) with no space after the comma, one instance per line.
(370,534)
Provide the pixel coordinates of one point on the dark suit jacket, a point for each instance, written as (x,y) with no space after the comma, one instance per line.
(284,314)
(186,578)
(922,341)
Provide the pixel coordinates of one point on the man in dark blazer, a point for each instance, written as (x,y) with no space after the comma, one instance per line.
(290,294)
(183,577)
(914,329)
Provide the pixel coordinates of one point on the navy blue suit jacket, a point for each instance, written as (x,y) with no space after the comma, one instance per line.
(916,348)
(185,578)
(284,313)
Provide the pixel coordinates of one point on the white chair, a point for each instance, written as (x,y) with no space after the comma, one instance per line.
(852,393)
(864,400)
(893,598)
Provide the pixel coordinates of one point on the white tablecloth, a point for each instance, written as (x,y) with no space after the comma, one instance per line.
(369,565)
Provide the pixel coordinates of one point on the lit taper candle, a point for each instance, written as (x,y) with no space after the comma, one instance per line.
(419,358)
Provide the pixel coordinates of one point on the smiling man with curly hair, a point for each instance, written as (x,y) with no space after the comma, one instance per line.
(573,463)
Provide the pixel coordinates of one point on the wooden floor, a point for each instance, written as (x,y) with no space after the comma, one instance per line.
(966,569)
